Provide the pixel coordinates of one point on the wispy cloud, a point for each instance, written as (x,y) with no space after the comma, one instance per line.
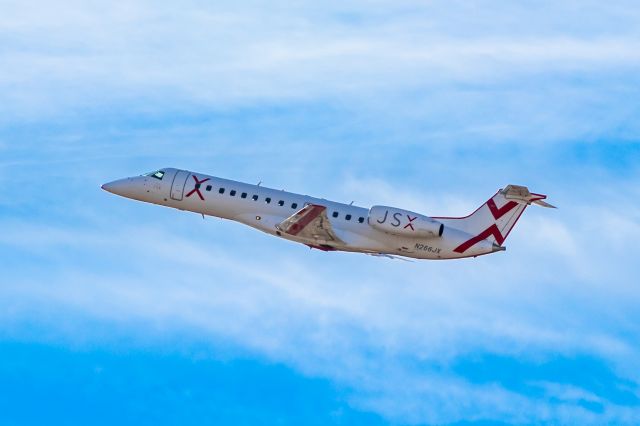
(146,56)
(428,106)
(353,329)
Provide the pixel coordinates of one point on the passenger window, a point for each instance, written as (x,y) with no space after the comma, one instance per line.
(209,187)
(221,190)
(254,198)
(294,205)
(267,200)
(335,214)
(281,203)
(348,217)
(243,195)
(361,220)
(233,193)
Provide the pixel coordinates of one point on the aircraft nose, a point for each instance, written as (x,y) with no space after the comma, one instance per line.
(122,187)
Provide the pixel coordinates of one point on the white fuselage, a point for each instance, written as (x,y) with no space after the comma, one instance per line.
(265,208)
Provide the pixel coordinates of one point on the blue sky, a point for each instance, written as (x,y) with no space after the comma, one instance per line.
(116,311)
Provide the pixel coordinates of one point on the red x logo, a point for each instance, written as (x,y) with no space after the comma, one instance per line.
(197,188)
(493,230)
(410,225)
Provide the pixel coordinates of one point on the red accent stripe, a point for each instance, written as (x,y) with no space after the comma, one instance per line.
(492,230)
(499,212)
(467,216)
(308,214)
(538,196)
(495,211)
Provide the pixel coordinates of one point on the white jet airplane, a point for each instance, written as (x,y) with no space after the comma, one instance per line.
(330,226)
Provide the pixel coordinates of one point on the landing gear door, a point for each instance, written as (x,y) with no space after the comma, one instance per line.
(179,181)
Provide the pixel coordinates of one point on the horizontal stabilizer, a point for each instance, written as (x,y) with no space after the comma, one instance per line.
(521,193)
(543,204)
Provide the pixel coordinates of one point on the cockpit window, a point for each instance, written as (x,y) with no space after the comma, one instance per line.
(158,175)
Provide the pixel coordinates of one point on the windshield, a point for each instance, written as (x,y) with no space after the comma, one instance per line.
(158,174)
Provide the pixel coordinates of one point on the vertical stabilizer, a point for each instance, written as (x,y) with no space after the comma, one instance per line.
(494,220)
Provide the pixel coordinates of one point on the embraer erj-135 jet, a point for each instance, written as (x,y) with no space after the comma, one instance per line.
(330,226)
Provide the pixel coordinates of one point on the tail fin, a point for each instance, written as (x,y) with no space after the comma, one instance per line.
(494,220)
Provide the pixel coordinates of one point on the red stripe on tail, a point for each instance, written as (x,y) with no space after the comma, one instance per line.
(499,212)
(492,230)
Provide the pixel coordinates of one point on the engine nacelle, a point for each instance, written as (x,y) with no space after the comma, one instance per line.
(404,222)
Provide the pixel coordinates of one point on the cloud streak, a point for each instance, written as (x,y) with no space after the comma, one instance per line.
(231,55)
(428,106)
(387,323)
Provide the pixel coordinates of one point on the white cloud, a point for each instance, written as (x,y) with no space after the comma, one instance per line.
(102,55)
(301,308)
(564,287)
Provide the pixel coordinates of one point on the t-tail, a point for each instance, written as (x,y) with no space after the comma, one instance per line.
(494,220)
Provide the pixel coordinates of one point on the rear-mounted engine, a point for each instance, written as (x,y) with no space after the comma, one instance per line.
(404,222)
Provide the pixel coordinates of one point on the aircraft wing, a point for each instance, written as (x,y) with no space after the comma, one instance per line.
(310,222)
